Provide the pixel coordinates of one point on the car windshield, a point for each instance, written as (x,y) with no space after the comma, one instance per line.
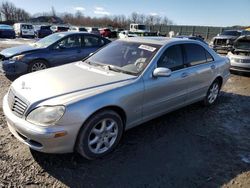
(126,57)
(6,27)
(47,41)
(231,33)
(243,44)
(141,27)
(245,32)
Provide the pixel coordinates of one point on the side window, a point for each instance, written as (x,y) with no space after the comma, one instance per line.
(195,54)
(73,41)
(91,41)
(209,57)
(172,58)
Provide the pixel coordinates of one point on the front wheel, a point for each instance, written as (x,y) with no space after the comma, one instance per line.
(37,65)
(100,134)
(212,93)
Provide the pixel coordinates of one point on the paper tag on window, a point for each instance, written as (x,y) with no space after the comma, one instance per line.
(148,48)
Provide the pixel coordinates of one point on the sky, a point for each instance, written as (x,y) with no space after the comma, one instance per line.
(181,12)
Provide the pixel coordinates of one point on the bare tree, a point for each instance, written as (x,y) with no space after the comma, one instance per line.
(11,13)
(134,17)
(53,11)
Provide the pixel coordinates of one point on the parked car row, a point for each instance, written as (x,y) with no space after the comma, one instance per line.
(87,105)
(40,31)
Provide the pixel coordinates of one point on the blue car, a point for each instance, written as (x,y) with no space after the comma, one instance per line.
(53,50)
(6,31)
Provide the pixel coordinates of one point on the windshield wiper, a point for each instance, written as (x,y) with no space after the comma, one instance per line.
(117,69)
(94,63)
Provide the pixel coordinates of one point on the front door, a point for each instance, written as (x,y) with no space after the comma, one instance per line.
(66,50)
(163,94)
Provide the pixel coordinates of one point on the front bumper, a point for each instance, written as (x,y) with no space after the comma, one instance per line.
(9,67)
(239,63)
(40,138)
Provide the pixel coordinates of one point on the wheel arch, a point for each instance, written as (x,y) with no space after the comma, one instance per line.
(220,79)
(121,112)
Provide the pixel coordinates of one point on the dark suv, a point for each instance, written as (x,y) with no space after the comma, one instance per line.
(44,31)
(225,40)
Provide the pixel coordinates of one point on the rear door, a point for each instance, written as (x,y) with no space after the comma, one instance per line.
(66,50)
(91,43)
(27,30)
(201,69)
(164,94)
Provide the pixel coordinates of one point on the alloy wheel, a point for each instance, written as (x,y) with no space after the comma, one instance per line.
(213,92)
(38,66)
(103,136)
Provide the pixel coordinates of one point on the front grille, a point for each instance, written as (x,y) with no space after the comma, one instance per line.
(220,42)
(17,105)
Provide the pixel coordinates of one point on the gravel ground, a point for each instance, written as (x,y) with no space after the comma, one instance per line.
(195,146)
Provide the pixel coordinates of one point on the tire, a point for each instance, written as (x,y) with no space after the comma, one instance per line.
(99,135)
(212,93)
(37,65)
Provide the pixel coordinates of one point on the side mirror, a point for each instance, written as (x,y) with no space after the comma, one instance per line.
(162,72)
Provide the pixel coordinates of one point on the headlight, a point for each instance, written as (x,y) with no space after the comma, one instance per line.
(46,115)
(17,57)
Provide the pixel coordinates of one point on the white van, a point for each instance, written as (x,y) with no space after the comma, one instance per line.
(24,30)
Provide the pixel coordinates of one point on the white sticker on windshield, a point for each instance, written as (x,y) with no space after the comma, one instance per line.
(148,48)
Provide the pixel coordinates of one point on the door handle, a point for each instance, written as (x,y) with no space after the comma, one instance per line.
(184,75)
(213,67)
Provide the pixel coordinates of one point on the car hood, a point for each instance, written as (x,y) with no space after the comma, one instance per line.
(237,44)
(225,37)
(9,52)
(63,80)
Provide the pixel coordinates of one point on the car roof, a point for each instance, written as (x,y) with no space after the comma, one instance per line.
(75,32)
(154,40)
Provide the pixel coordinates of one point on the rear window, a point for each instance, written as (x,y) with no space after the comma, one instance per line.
(82,29)
(27,27)
(6,27)
(195,54)
(62,28)
(95,29)
(45,27)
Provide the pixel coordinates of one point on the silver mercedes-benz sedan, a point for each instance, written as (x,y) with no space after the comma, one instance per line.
(86,106)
